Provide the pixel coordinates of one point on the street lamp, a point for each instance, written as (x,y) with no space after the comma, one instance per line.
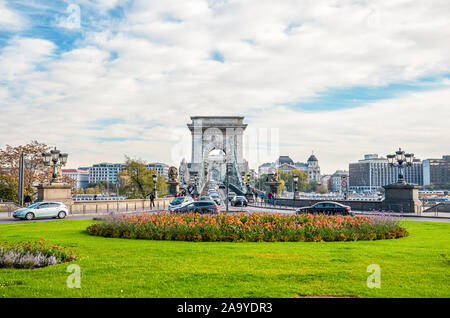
(154,176)
(54,159)
(229,166)
(399,160)
(295,178)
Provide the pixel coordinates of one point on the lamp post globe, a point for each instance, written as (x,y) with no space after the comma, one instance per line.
(400,155)
(391,159)
(63,157)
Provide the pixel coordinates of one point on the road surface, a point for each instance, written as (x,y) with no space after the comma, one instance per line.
(249,209)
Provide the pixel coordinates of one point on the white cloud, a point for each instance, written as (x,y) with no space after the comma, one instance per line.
(153,73)
(9,19)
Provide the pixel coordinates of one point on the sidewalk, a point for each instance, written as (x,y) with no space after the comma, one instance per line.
(8,215)
(439,215)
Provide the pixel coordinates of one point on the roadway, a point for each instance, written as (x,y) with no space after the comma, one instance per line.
(249,209)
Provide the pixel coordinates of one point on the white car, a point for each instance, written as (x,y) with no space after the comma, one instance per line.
(179,202)
(42,210)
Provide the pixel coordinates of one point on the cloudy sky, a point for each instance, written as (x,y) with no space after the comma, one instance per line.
(107,78)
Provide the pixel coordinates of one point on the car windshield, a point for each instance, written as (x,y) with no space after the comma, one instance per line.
(178,200)
(34,205)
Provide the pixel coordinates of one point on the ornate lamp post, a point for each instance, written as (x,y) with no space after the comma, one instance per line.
(229,166)
(295,178)
(155,178)
(402,196)
(194,191)
(54,159)
(400,159)
(56,190)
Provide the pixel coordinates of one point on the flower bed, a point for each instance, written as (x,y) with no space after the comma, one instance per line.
(33,254)
(253,227)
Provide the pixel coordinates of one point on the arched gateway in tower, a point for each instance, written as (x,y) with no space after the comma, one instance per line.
(217,140)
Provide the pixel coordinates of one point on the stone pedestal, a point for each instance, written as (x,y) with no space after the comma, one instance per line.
(403,198)
(57,191)
(174,188)
(272,186)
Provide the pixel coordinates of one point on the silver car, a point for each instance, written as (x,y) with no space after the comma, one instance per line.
(42,210)
(179,202)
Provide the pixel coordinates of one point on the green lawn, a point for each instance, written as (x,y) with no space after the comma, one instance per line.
(410,267)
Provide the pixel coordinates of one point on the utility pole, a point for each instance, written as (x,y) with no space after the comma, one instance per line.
(21,180)
(228,183)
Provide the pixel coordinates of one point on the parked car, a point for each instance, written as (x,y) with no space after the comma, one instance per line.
(239,200)
(199,206)
(179,202)
(230,196)
(216,198)
(205,198)
(42,210)
(331,208)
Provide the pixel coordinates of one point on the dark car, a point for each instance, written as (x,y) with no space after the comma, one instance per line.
(331,208)
(239,200)
(200,207)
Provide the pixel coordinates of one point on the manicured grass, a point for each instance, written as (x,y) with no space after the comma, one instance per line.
(410,267)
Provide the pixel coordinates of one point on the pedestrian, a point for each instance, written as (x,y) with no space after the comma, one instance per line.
(152,200)
(27,200)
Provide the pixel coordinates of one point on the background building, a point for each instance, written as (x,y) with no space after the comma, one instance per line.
(109,171)
(161,168)
(80,176)
(336,181)
(373,172)
(286,164)
(105,172)
(437,172)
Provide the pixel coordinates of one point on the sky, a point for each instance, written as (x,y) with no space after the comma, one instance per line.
(108,78)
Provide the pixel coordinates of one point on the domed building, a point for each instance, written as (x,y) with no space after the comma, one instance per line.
(286,164)
(313,168)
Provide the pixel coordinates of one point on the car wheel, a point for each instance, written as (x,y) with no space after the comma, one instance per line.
(29,216)
(61,215)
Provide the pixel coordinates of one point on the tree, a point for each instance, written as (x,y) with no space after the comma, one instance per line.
(8,187)
(282,187)
(323,189)
(311,187)
(122,181)
(288,178)
(140,180)
(261,182)
(35,171)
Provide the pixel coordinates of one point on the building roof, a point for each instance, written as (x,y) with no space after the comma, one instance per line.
(69,170)
(285,159)
(312,158)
